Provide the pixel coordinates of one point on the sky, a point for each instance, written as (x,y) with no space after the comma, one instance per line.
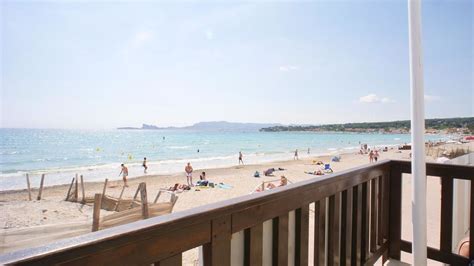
(84,64)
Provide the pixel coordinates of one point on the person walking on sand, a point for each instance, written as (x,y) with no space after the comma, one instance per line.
(124,173)
(296,155)
(240,158)
(189,174)
(376,155)
(144,165)
(371,156)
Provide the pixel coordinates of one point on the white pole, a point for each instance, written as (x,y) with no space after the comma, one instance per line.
(417,134)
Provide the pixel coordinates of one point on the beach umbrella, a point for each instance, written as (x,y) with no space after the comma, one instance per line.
(418,165)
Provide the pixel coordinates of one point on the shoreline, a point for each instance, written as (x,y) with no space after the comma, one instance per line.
(17,213)
(304,156)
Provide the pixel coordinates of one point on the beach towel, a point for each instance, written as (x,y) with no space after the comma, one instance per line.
(224,186)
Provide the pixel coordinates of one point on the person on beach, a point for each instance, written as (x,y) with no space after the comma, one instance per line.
(240,158)
(308,151)
(376,155)
(296,155)
(189,174)
(144,165)
(283,182)
(124,173)
(203,176)
(371,156)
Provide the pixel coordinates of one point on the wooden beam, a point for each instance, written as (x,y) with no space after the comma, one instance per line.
(320,232)
(253,245)
(105,187)
(373,215)
(144,201)
(157,197)
(280,240)
(136,194)
(446,238)
(83,190)
(346,227)
(471,222)
(438,255)
(69,190)
(356,225)
(395,228)
(41,187)
(217,251)
(381,211)
(96,213)
(120,198)
(333,230)
(176,260)
(364,244)
(76,192)
(301,235)
(28,186)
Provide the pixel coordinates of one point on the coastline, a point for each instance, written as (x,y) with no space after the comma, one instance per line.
(303,156)
(18,214)
(167,158)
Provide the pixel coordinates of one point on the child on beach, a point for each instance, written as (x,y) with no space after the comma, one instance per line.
(124,173)
(203,176)
(144,165)
(371,156)
(189,174)
(240,158)
(376,155)
(296,155)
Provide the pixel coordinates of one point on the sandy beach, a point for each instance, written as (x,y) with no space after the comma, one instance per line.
(16,212)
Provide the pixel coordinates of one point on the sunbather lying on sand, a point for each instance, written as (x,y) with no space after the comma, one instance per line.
(317,172)
(179,187)
(283,182)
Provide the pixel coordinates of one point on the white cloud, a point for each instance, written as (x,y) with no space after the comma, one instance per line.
(209,34)
(287,68)
(373,98)
(432,98)
(142,37)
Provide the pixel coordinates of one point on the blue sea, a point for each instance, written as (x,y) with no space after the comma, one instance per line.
(97,155)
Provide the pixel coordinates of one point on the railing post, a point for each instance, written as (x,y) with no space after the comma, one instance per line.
(446,241)
(301,235)
(471,221)
(395,212)
(280,240)
(217,252)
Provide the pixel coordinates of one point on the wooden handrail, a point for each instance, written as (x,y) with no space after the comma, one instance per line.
(367,193)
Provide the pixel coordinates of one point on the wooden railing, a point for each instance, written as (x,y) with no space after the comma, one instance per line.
(448,173)
(355,217)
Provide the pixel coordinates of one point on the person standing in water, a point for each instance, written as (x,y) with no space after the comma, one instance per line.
(296,155)
(308,151)
(241,158)
(189,174)
(144,165)
(124,173)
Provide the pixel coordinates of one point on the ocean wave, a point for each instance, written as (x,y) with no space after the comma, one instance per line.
(179,147)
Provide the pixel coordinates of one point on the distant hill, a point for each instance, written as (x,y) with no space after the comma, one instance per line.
(211,126)
(465,124)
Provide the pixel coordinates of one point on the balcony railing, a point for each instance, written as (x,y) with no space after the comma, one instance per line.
(356,214)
